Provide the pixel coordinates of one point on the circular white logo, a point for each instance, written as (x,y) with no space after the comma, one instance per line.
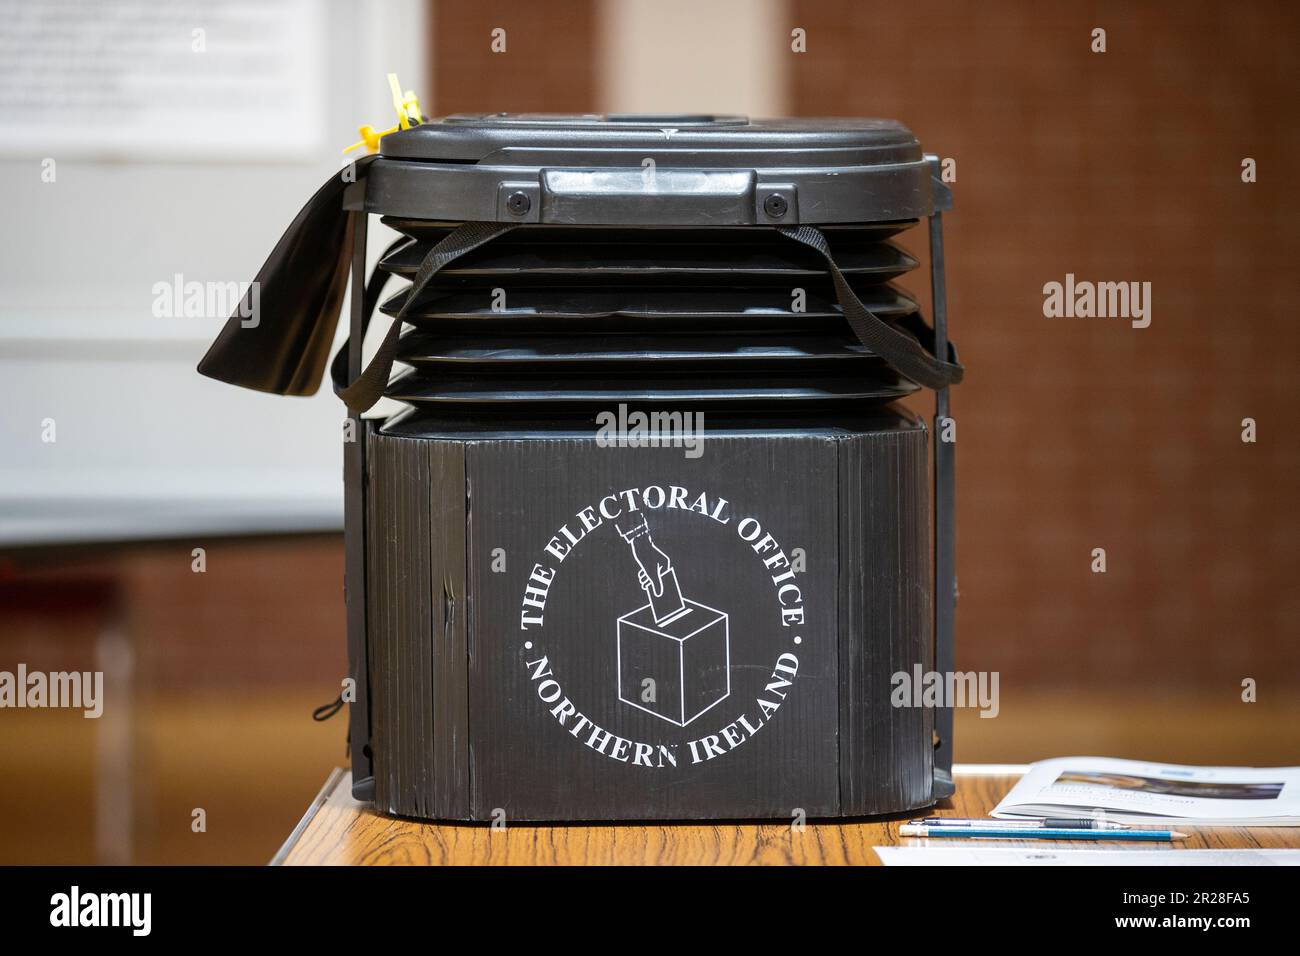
(661,626)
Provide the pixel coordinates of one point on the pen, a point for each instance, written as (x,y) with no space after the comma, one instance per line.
(1065,823)
(1036,833)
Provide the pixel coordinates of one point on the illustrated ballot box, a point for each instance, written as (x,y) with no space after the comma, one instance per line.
(687,657)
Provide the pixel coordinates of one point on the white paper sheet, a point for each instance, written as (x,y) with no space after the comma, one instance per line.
(1139,791)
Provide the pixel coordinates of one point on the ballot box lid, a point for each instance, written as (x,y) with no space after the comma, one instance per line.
(656,170)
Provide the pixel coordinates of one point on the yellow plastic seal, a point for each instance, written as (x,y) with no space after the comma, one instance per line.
(407,107)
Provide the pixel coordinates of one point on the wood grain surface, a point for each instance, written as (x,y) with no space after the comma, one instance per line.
(338,830)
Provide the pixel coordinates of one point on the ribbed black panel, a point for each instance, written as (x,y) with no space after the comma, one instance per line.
(886,757)
(418,626)
(588,316)
(400,628)
(599,260)
(656,311)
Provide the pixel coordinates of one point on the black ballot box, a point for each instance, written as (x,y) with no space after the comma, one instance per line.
(651,536)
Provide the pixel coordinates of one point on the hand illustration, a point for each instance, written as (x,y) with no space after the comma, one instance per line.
(656,575)
(654,583)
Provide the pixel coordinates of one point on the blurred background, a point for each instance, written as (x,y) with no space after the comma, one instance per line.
(147,143)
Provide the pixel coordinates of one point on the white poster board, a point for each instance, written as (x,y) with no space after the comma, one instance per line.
(185,79)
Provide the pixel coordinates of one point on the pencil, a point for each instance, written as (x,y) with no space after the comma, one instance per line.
(1036,833)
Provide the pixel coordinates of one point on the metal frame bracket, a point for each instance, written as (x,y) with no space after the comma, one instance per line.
(945,530)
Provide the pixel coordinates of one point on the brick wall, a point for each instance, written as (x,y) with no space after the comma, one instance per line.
(1084,433)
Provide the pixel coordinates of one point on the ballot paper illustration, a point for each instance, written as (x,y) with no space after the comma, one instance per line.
(674,655)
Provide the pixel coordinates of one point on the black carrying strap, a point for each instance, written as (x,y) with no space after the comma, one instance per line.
(369,386)
(282,345)
(301,285)
(902,351)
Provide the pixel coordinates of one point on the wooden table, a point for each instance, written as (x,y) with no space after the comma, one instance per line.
(338,830)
